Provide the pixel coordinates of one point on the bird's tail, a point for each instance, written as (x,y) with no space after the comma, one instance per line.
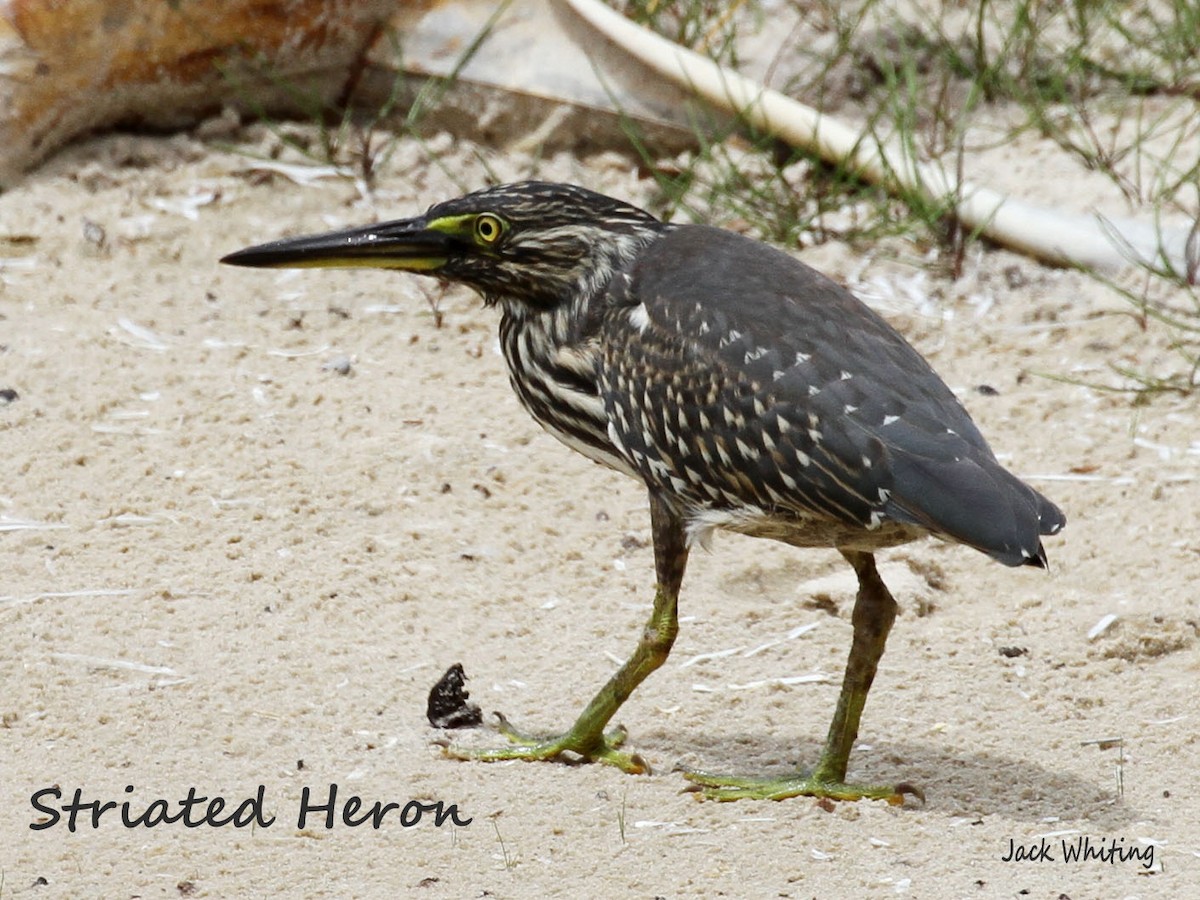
(977,502)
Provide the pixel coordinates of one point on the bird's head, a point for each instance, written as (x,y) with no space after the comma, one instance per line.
(529,246)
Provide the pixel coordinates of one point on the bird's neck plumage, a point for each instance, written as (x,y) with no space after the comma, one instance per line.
(553,354)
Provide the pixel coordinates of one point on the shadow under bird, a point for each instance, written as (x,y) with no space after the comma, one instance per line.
(746,390)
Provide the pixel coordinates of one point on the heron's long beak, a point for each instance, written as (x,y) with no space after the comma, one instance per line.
(408,244)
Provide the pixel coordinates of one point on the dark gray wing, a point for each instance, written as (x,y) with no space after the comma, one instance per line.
(735,374)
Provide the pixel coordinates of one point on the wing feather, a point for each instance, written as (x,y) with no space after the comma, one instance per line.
(797,395)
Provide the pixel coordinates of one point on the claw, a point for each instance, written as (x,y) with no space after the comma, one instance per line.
(907,787)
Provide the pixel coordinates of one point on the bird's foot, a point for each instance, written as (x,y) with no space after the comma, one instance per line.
(780,787)
(569,747)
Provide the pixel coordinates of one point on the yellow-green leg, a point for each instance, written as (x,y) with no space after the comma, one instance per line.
(587,738)
(874,613)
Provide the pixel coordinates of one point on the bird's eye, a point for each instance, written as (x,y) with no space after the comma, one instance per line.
(488,228)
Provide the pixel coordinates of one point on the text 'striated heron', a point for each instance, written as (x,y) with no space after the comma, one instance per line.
(745,389)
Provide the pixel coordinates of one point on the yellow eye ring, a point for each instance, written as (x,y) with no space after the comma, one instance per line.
(488,228)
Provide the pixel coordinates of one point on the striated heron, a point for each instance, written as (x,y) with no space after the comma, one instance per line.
(746,390)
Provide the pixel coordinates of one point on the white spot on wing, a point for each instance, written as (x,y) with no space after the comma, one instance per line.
(639,318)
(733,335)
(888,420)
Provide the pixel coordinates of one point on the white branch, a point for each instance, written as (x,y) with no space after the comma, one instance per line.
(1053,236)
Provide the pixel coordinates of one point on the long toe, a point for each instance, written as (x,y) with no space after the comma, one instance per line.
(567,748)
(732,787)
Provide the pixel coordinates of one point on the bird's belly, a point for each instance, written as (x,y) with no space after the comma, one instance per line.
(799,530)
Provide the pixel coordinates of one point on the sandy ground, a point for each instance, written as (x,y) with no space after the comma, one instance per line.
(226,565)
